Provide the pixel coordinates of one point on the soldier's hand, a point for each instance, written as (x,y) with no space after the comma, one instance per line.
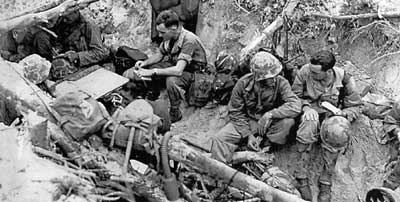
(253,143)
(264,123)
(310,114)
(129,73)
(139,64)
(350,114)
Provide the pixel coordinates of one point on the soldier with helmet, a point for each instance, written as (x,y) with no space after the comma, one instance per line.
(262,106)
(315,84)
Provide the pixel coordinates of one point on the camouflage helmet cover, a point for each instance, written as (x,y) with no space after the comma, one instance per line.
(35,68)
(334,133)
(225,62)
(265,65)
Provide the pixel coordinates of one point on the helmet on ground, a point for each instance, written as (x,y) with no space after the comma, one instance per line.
(335,133)
(36,69)
(225,62)
(60,68)
(265,65)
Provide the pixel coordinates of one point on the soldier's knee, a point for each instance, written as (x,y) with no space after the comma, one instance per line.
(335,133)
(171,81)
(307,133)
(288,123)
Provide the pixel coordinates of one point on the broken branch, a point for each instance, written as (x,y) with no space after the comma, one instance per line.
(30,18)
(359,16)
(276,24)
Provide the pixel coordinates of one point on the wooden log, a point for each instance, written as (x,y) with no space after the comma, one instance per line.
(37,9)
(358,16)
(267,32)
(183,153)
(31,18)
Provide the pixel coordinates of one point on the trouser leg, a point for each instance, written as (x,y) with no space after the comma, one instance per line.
(177,86)
(42,45)
(280,130)
(224,143)
(306,135)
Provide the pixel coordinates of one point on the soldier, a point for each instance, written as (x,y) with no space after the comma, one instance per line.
(262,104)
(391,125)
(314,84)
(17,44)
(181,54)
(78,40)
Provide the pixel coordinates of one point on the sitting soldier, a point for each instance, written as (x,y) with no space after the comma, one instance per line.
(391,125)
(262,104)
(78,40)
(181,54)
(17,44)
(317,84)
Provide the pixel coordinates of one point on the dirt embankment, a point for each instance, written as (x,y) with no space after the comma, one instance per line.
(225,25)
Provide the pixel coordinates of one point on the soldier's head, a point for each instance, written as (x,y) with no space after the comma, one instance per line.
(168,25)
(265,67)
(321,65)
(19,34)
(71,18)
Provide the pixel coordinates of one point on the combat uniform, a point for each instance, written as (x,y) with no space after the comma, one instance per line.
(340,93)
(250,100)
(391,125)
(82,37)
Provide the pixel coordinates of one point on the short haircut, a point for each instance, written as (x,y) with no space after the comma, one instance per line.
(324,58)
(168,18)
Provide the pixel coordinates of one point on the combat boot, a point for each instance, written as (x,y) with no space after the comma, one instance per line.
(324,194)
(303,186)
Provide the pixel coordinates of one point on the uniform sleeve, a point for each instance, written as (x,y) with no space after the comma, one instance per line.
(96,52)
(299,87)
(187,51)
(292,104)
(237,111)
(391,122)
(351,98)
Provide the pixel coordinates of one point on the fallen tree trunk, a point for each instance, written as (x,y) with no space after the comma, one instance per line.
(36,9)
(29,19)
(359,16)
(183,153)
(267,32)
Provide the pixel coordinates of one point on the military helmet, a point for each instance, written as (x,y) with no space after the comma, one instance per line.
(35,68)
(225,62)
(60,68)
(334,133)
(265,65)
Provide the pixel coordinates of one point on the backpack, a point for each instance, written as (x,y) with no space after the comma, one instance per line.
(201,89)
(138,115)
(79,115)
(126,57)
